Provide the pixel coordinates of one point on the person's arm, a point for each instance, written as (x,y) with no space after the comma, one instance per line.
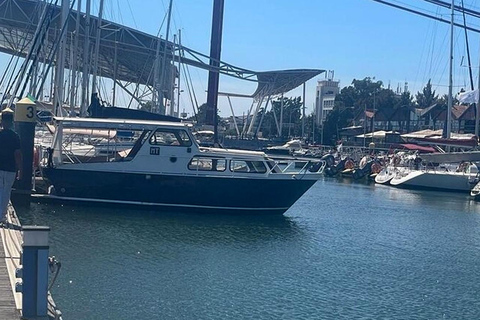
(18,163)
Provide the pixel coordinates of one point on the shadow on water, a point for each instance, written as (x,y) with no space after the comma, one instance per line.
(153,225)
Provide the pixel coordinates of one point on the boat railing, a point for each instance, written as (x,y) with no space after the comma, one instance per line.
(307,166)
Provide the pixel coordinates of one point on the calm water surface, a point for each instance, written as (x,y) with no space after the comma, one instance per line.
(344,250)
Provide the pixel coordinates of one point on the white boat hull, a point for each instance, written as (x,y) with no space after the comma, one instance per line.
(452,181)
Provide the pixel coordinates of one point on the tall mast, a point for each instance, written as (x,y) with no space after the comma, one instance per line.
(164,63)
(213,75)
(97,49)
(73,87)
(60,65)
(450,80)
(179,71)
(85,61)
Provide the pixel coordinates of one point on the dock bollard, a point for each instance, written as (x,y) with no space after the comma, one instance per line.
(35,272)
(25,121)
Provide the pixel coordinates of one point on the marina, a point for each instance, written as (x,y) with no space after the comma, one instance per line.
(365,206)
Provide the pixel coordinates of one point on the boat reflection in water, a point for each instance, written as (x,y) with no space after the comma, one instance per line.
(167,168)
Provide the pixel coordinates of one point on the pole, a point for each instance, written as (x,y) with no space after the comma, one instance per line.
(164,63)
(85,61)
(60,66)
(303,112)
(450,79)
(73,84)
(213,75)
(97,49)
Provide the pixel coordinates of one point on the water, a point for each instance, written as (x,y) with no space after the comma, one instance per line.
(344,250)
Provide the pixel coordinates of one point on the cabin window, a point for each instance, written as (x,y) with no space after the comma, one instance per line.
(247,166)
(165,137)
(207,164)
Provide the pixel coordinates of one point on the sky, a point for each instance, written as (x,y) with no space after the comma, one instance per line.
(355,38)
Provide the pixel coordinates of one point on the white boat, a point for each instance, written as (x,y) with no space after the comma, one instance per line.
(167,168)
(451,177)
(475,192)
(386,175)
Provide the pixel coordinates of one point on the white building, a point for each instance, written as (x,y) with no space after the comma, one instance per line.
(325,97)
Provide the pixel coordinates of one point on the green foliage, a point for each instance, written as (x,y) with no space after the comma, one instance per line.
(427,97)
(292,123)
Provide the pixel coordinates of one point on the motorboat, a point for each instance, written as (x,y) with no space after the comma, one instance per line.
(475,192)
(288,148)
(167,168)
(449,176)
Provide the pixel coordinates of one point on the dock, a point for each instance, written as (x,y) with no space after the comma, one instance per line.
(11,238)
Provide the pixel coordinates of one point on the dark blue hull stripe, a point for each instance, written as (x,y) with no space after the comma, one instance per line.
(224,193)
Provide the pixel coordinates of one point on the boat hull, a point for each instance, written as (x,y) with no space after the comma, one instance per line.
(450,181)
(184,192)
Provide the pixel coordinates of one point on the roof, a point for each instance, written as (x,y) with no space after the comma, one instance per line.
(275,82)
(95,123)
(423,133)
(411,146)
(377,134)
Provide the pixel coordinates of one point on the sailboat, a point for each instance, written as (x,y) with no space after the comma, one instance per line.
(445,171)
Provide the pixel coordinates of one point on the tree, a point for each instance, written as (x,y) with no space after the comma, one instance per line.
(427,97)
(291,118)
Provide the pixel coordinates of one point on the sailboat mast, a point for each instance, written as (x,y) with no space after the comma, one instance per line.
(97,49)
(450,79)
(161,95)
(60,65)
(213,75)
(85,61)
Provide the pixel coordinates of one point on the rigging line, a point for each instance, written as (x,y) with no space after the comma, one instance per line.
(424,15)
(468,49)
(131,12)
(38,48)
(54,50)
(21,72)
(191,92)
(457,8)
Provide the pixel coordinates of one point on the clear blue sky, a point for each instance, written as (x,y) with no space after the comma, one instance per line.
(355,38)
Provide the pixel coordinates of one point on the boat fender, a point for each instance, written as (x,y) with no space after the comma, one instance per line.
(375,168)
(349,164)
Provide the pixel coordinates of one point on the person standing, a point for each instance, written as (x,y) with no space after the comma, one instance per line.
(10,161)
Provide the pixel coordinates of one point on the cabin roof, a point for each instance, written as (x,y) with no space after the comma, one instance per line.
(95,123)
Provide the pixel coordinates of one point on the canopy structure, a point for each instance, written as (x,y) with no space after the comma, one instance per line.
(271,83)
(125,54)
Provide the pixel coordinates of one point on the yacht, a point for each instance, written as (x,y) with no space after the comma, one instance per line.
(460,177)
(167,168)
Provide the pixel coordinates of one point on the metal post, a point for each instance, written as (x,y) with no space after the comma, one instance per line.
(213,75)
(303,113)
(450,79)
(35,272)
(25,120)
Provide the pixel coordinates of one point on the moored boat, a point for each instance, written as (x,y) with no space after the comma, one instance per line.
(167,168)
(460,178)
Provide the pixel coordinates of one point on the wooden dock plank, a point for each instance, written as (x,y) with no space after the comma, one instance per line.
(8,310)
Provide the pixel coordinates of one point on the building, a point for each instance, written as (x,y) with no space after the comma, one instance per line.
(325,97)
